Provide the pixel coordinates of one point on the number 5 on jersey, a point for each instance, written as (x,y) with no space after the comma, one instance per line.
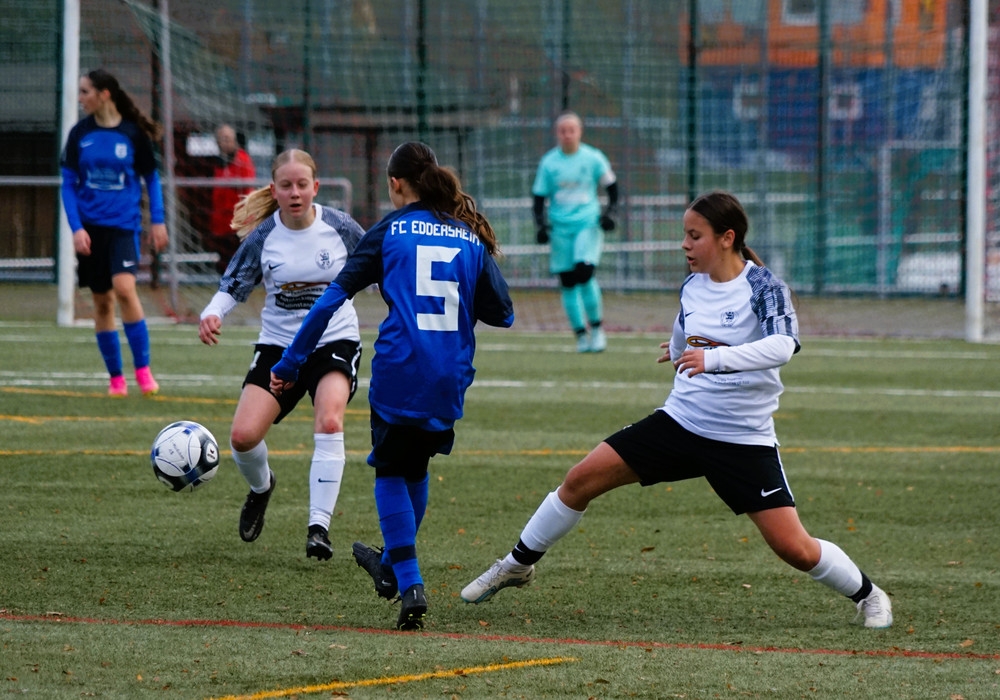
(427,286)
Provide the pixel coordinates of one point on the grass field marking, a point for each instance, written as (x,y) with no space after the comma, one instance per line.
(893,652)
(29,390)
(889,391)
(394,680)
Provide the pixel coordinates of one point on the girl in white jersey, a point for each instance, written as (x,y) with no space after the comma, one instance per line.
(295,248)
(735,328)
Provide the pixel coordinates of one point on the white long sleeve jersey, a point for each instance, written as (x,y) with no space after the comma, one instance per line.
(295,267)
(748,329)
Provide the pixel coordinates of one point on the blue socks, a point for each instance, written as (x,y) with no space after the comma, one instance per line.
(401,506)
(111,351)
(138,342)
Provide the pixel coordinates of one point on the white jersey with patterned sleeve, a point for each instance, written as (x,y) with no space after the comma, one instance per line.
(295,267)
(738,319)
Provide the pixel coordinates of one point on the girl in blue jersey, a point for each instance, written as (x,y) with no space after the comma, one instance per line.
(735,328)
(108,155)
(432,259)
(294,248)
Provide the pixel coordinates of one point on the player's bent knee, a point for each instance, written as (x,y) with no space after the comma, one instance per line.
(584,271)
(242,441)
(795,555)
(330,424)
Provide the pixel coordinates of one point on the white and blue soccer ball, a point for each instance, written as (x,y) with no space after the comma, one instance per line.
(185,455)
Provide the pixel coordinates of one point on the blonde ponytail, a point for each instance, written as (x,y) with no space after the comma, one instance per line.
(254,208)
(251,210)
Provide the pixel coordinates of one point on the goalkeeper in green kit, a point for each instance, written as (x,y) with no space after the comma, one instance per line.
(569,177)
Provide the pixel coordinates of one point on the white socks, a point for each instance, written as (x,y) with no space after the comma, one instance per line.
(551,521)
(325,476)
(253,467)
(836,570)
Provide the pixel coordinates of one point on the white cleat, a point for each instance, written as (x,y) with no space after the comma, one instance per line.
(598,341)
(496,578)
(877,609)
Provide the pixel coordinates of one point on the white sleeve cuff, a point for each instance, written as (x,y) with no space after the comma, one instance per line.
(772,351)
(713,360)
(220,305)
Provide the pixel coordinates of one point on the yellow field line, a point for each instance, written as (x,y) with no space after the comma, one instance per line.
(371,682)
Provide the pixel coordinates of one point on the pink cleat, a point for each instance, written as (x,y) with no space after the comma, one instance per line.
(145,380)
(118,388)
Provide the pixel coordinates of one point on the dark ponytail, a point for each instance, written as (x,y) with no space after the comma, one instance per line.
(439,188)
(102,80)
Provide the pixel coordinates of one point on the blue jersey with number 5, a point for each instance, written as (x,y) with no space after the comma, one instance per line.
(437,279)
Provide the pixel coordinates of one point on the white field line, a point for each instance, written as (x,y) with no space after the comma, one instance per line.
(65,380)
(650,347)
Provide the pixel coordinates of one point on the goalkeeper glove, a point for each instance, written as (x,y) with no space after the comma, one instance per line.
(607,220)
(542,234)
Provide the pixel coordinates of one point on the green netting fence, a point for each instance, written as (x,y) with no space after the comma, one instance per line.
(841,126)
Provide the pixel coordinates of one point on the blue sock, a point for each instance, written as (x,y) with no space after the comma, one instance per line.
(138,341)
(399,529)
(417,490)
(111,350)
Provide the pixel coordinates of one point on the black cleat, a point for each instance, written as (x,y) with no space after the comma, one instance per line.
(370,560)
(318,544)
(252,515)
(412,609)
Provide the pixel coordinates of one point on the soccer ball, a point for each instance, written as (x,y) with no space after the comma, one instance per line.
(185,455)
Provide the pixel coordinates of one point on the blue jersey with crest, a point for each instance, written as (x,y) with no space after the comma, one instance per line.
(101,169)
(438,280)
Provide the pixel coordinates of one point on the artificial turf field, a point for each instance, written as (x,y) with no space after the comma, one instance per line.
(112,586)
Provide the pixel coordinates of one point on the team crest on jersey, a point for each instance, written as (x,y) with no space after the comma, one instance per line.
(324,259)
(121,150)
(728,318)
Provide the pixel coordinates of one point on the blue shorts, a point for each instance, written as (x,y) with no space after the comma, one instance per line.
(339,356)
(749,478)
(113,251)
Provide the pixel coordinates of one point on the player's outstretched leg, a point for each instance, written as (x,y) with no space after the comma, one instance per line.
(837,571)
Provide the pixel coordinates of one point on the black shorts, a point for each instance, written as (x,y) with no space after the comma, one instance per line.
(112,252)
(342,356)
(405,450)
(748,478)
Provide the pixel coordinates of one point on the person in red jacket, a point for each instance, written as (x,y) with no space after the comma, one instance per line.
(234,162)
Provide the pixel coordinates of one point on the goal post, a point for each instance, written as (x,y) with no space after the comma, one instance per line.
(975,233)
(65,255)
